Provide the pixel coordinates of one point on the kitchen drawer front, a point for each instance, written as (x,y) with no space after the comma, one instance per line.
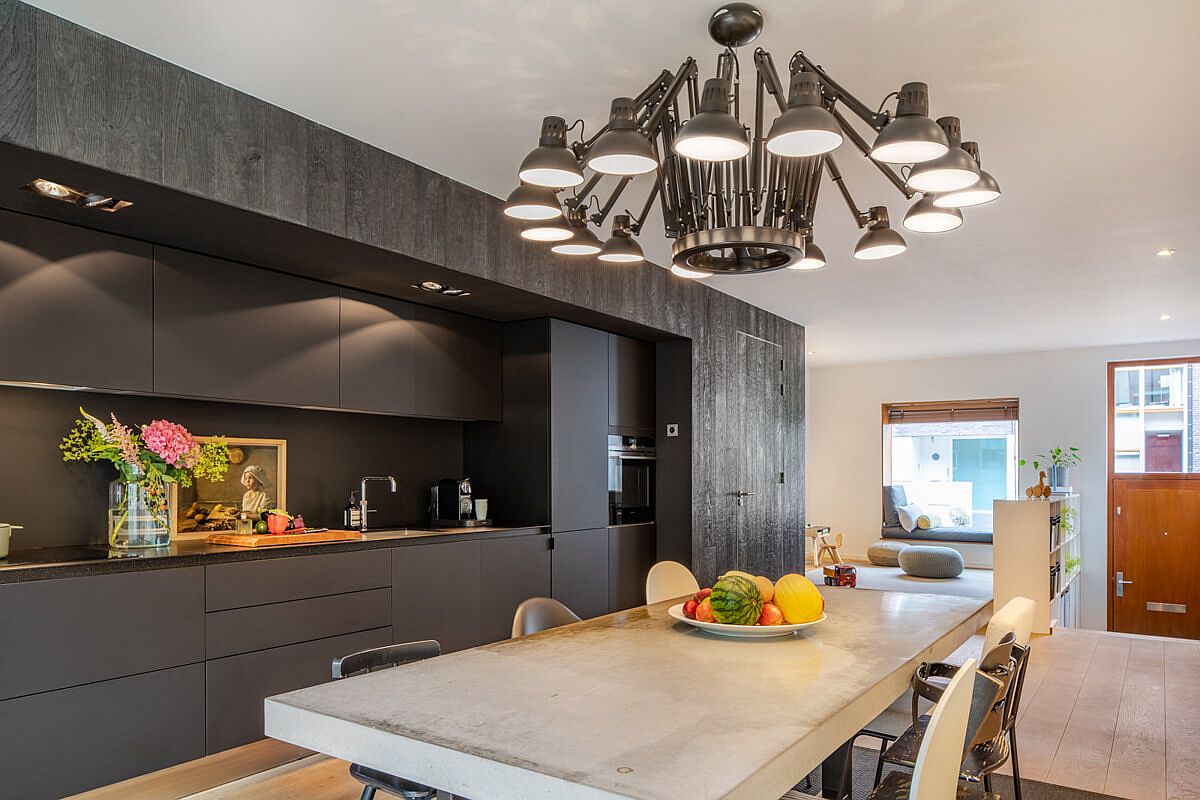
(236,686)
(243,630)
(59,743)
(277,580)
(72,631)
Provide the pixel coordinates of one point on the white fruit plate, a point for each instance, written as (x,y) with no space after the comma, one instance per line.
(742,631)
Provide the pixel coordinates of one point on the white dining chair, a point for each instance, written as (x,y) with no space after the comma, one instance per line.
(668,580)
(936,774)
(539,614)
(1016,616)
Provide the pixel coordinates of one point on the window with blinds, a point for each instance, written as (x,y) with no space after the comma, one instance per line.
(998,410)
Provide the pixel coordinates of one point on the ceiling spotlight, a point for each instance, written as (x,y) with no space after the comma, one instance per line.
(814,257)
(1166,251)
(430,286)
(551,163)
(684,272)
(713,134)
(582,243)
(880,241)
(984,190)
(436,287)
(77,197)
(548,231)
(806,128)
(622,149)
(911,137)
(947,173)
(926,217)
(532,203)
(1163,317)
(621,247)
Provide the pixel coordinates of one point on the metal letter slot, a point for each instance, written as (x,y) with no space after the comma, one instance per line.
(1170,608)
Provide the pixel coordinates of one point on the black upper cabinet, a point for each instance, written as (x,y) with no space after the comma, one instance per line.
(578,427)
(234,332)
(75,306)
(403,358)
(630,385)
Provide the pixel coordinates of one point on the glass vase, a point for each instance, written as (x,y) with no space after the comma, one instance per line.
(134,520)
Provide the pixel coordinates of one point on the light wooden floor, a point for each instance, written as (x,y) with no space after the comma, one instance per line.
(1108,713)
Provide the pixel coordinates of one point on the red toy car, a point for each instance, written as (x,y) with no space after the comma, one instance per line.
(841,575)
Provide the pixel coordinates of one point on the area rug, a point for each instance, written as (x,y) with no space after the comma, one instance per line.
(972,583)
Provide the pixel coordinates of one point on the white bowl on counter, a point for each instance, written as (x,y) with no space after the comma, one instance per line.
(5,536)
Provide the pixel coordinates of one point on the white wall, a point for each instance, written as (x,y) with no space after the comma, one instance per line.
(1063,395)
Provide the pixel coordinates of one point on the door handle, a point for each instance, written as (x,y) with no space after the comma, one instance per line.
(741,494)
(1121,584)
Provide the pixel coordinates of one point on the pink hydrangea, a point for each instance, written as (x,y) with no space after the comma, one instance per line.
(171,442)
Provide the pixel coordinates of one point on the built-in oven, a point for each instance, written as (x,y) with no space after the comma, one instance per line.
(630,479)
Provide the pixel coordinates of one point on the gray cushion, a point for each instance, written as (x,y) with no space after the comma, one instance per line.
(928,561)
(886,554)
(940,534)
(893,498)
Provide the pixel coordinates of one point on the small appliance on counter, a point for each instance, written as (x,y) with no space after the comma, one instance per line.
(452,505)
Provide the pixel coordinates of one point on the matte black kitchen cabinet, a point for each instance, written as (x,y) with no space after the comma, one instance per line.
(436,594)
(71,631)
(229,331)
(59,743)
(578,427)
(581,571)
(75,306)
(402,358)
(631,553)
(512,570)
(631,385)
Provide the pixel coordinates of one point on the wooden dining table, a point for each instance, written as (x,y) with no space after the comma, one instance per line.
(633,704)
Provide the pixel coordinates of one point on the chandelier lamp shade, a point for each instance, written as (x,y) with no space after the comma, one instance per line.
(736,161)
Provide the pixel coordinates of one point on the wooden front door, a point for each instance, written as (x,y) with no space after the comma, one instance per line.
(1156,549)
(758,418)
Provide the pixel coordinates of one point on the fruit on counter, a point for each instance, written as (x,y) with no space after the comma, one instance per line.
(689,609)
(704,610)
(771,615)
(277,523)
(765,587)
(798,599)
(738,572)
(261,528)
(700,595)
(736,600)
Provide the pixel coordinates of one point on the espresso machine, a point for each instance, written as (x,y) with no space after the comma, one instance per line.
(452,505)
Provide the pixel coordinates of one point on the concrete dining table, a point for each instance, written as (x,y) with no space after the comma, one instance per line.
(633,704)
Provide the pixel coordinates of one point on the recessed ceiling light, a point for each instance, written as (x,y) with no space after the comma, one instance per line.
(65,194)
(441,288)
(430,286)
(1166,251)
(1163,317)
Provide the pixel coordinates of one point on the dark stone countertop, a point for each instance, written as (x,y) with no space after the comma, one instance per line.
(69,562)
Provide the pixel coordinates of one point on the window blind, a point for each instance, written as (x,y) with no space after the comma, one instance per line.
(994,410)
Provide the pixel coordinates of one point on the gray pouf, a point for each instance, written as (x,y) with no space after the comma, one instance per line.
(886,553)
(925,561)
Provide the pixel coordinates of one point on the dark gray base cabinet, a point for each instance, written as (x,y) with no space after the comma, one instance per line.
(60,743)
(581,571)
(435,594)
(511,570)
(631,553)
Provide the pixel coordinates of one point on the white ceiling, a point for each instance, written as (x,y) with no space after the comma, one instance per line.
(1086,111)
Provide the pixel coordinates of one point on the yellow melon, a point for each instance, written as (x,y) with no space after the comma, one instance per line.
(765,587)
(798,599)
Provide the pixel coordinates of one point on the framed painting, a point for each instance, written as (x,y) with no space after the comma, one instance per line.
(256,481)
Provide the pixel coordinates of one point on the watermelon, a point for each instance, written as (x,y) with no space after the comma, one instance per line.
(736,601)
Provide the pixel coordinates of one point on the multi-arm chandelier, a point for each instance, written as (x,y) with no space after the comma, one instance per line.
(738,201)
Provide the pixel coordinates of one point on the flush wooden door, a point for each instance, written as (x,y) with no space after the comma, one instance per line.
(758,416)
(1156,533)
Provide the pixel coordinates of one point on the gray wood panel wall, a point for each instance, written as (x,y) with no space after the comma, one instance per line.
(73,93)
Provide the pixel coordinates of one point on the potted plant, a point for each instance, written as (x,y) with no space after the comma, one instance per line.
(148,460)
(1060,462)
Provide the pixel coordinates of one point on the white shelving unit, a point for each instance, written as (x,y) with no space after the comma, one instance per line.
(1036,546)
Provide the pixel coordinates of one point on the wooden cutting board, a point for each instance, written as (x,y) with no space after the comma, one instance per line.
(276,539)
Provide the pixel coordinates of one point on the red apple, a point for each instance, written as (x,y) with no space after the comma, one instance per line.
(771,615)
(700,595)
(704,611)
(689,609)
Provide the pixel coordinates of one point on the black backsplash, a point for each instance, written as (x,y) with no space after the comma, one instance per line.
(328,453)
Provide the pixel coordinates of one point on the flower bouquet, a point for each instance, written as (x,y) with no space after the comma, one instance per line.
(148,460)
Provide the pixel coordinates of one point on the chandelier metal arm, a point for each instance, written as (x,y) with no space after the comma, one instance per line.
(836,91)
(686,70)
(835,174)
(640,220)
(770,75)
(581,196)
(602,213)
(865,149)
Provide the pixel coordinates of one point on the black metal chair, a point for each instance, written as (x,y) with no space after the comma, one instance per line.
(378,658)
